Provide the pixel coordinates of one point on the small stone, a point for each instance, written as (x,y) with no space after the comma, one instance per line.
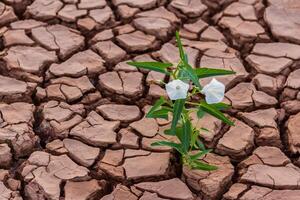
(113,157)
(103,35)
(83,63)
(160,12)
(211,185)
(136,41)
(96,131)
(241,96)
(261,118)
(169,53)
(235,191)
(271,156)
(28,59)
(268,84)
(274,18)
(109,51)
(196,27)
(7,14)
(83,190)
(191,8)
(282,50)
(60,38)
(102,16)
(235,144)
(44,9)
(124,113)
(12,90)
(127,12)
(119,193)
(56,147)
(146,4)
(91,4)
(80,152)
(172,189)
(268,65)
(293,125)
(153,165)
(26,24)
(293,80)
(5,155)
(158,27)
(16,37)
(86,23)
(268,194)
(128,139)
(274,177)
(268,137)
(146,127)
(70,13)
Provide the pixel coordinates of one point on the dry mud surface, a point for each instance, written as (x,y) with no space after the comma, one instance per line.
(72,122)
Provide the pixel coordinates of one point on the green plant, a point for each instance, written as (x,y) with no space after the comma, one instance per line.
(184,85)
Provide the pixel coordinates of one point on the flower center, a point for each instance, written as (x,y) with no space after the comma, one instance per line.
(177,87)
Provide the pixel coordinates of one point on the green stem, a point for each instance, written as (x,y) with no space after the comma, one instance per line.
(192,103)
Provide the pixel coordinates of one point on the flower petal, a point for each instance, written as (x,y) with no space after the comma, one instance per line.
(177,89)
(214,91)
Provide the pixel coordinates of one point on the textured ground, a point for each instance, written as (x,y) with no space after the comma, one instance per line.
(72,120)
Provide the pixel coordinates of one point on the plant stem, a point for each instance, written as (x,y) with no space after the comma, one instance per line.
(192,103)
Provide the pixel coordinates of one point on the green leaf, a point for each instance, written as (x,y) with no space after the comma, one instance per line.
(194,136)
(200,145)
(200,154)
(177,132)
(191,74)
(207,72)
(155,107)
(215,112)
(203,166)
(177,110)
(205,129)
(176,146)
(162,113)
(221,106)
(155,66)
(179,44)
(186,134)
(200,113)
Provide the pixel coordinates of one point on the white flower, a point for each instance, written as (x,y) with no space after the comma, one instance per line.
(177,89)
(214,91)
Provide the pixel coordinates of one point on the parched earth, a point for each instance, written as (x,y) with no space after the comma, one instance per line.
(72,122)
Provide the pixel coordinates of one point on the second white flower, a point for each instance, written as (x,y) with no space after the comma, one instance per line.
(214,91)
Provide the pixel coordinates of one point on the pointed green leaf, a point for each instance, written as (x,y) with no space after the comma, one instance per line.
(191,74)
(156,107)
(169,144)
(207,72)
(155,66)
(221,106)
(203,166)
(200,154)
(201,145)
(194,136)
(215,112)
(186,135)
(200,113)
(162,113)
(205,129)
(177,110)
(179,44)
